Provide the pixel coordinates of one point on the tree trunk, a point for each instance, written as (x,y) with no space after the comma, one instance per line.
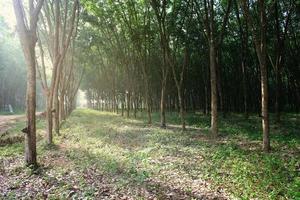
(277,95)
(122,105)
(264,78)
(261,51)
(135,106)
(206,100)
(244,47)
(214,94)
(117,105)
(49,120)
(28,41)
(244,88)
(62,115)
(128,104)
(56,112)
(264,105)
(162,106)
(181,109)
(30,135)
(149,111)
(262,55)
(218,82)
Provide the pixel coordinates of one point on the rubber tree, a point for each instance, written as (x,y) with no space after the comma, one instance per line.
(58,31)
(27,28)
(160,9)
(259,36)
(215,39)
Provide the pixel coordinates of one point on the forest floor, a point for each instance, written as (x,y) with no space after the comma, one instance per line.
(100,155)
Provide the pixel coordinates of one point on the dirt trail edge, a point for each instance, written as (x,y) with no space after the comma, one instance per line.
(7,120)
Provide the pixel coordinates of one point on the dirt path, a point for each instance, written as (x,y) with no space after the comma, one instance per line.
(7,120)
(4,119)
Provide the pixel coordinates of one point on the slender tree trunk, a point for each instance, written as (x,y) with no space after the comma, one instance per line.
(264,79)
(122,105)
(147,95)
(277,95)
(262,55)
(219,86)
(28,41)
(181,109)
(244,88)
(176,105)
(264,106)
(49,122)
(148,101)
(30,135)
(244,48)
(162,106)
(128,104)
(213,72)
(135,106)
(62,115)
(206,100)
(149,111)
(117,105)
(56,112)
(214,94)
(179,84)
(114,100)
(261,51)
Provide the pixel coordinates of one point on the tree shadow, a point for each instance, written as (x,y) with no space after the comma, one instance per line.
(137,181)
(135,134)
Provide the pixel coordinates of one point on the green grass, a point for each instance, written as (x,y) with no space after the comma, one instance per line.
(135,155)
(16,112)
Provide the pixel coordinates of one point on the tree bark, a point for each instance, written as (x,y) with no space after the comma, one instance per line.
(162,106)
(213,85)
(209,12)
(262,49)
(128,104)
(49,122)
(30,136)
(62,115)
